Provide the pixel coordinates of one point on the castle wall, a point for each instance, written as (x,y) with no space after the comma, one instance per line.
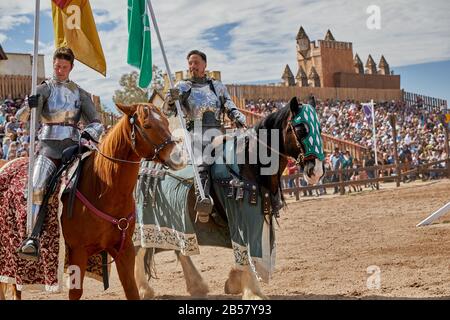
(353,80)
(335,57)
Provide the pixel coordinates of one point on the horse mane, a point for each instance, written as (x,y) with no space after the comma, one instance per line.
(275,120)
(114,144)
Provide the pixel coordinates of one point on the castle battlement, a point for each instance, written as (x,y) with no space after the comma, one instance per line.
(339,45)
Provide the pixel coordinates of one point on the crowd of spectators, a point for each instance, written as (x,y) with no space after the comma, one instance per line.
(14,135)
(420,135)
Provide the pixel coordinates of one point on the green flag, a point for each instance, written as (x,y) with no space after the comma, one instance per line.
(139,42)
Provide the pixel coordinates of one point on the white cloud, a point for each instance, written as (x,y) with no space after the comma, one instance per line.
(3,37)
(264,42)
(42,46)
(9,22)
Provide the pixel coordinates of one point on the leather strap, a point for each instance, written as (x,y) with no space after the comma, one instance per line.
(122,223)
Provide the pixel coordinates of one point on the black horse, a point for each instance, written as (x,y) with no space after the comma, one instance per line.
(298,137)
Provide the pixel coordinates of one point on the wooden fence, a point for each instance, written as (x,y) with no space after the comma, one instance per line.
(432,104)
(400,171)
(16,86)
(108,118)
(254,92)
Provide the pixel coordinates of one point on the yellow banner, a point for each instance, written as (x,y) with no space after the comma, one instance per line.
(74,27)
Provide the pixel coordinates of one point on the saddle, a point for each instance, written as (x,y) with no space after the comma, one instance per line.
(236,186)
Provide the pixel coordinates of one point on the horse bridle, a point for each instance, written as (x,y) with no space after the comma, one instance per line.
(135,126)
(301,157)
(157,148)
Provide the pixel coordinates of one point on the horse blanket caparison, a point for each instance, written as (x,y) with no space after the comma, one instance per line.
(47,273)
(163,219)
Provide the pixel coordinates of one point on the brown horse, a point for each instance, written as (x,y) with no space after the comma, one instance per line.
(107,181)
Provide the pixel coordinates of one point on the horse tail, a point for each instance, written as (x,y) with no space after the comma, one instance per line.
(149,264)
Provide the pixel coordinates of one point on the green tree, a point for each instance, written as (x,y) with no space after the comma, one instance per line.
(158,79)
(130,92)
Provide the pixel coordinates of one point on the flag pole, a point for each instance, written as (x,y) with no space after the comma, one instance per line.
(33,118)
(374,133)
(187,138)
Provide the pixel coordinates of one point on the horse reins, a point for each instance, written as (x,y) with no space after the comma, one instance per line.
(156,151)
(300,159)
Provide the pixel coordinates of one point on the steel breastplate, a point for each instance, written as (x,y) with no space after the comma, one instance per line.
(61,112)
(202,99)
(64,103)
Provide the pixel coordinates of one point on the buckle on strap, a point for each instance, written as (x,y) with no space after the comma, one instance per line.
(121,222)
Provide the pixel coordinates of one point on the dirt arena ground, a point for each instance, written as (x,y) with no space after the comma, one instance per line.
(325,246)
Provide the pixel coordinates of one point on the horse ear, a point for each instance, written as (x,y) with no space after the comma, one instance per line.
(128,110)
(295,107)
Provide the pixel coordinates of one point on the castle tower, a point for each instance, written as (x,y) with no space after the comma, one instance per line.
(327,57)
(371,66)
(383,67)
(358,65)
(288,77)
(329,36)
(313,77)
(303,42)
(302,78)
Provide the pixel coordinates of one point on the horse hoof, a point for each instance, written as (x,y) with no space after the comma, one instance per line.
(233,283)
(200,290)
(231,288)
(252,296)
(146,294)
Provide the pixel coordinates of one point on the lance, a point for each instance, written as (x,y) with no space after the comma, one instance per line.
(187,138)
(33,119)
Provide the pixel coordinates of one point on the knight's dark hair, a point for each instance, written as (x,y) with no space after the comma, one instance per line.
(197,52)
(64,53)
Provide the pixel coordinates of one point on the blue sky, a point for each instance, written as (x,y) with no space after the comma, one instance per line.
(432,79)
(252,41)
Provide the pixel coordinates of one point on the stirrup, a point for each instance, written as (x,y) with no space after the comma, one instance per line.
(204,208)
(29,249)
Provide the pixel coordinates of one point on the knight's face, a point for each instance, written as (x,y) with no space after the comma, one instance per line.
(61,69)
(197,66)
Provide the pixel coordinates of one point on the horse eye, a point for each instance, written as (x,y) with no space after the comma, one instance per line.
(306,128)
(303,129)
(147,124)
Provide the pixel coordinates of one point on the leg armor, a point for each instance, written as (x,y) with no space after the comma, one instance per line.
(42,172)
